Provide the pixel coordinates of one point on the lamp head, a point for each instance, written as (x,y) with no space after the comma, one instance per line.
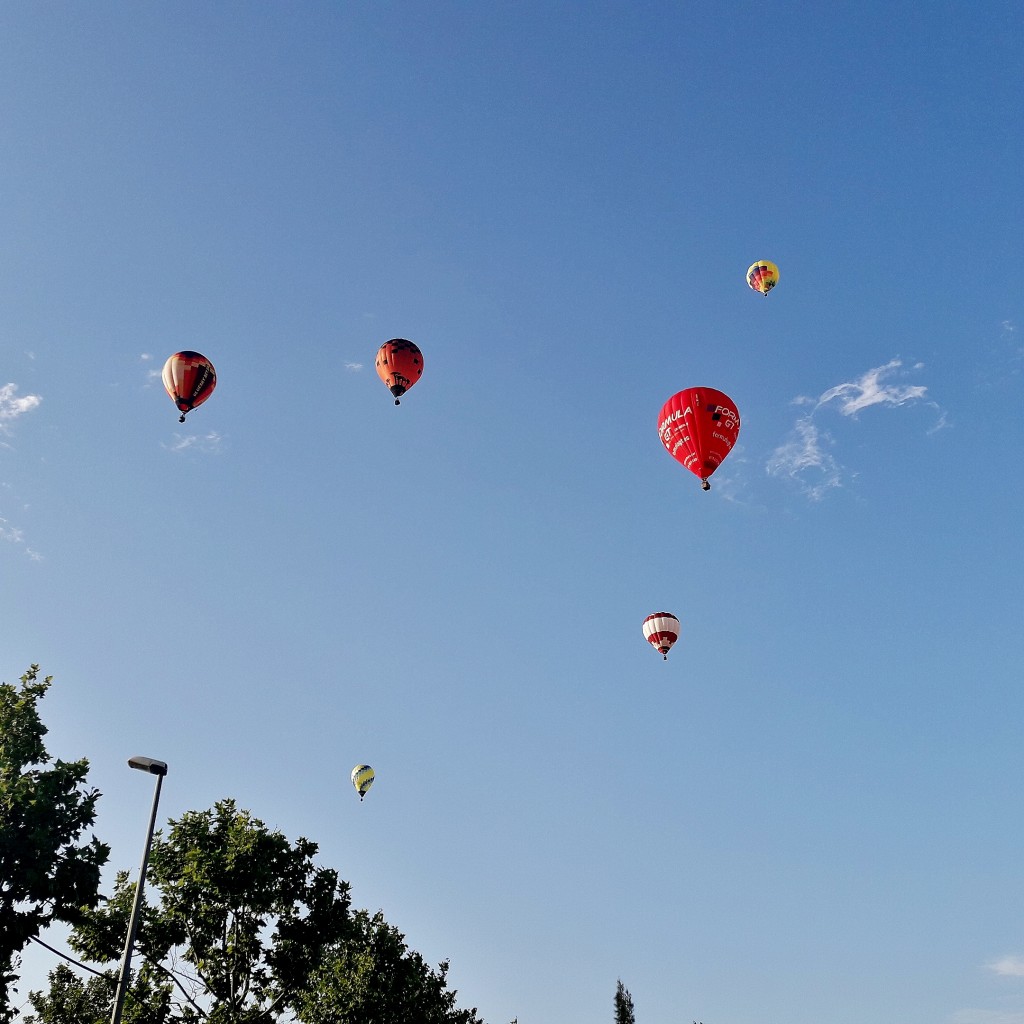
(148,764)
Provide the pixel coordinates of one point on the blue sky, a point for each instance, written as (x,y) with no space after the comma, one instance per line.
(810,813)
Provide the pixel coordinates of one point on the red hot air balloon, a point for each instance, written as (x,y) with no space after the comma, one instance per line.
(698,427)
(399,365)
(661,631)
(189,379)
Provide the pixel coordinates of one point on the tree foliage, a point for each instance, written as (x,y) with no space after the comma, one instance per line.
(623,1005)
(72,1001)
(238,925)
(372,977)
(245,929)
(243,920)
(46,873)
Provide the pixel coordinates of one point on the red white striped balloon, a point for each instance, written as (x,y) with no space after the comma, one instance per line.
(661,631)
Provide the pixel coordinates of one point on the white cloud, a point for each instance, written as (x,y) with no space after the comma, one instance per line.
(805,454)
(1012,966)
(14,535)
(146,356)
(11,406)
(210,442)
(729,481)
(353,367)
(805,458)
(869,390)
(11,533)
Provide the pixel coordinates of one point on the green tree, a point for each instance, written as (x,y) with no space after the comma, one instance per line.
(46,873)
(372,977)
(623,1005)
(244,920)
(70,1001)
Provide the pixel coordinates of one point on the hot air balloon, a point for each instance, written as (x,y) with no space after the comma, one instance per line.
(762,276)
(661,630)
(362,779)
(399,365)
(698,427)
(189,378)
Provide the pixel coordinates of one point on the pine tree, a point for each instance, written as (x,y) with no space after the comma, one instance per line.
(623,1005)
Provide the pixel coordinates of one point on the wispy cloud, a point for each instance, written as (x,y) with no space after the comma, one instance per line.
(1010,966)
(805,457)
(1002,358)
(11,533)
(869,390)
(153,372)
(14,535)
(730,480)
(1013,343)
(353,367)
(12,406)
(211,442)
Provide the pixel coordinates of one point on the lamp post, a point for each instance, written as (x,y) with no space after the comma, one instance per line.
(159,769)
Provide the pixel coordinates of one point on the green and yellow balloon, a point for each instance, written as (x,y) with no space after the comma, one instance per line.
(362,779)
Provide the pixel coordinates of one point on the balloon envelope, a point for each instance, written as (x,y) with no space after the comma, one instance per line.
(189,378)
(762,276)
(399,364)
(362,779)
(661,631)
(698,427)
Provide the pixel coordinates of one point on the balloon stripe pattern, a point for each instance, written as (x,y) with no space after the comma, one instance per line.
(362,779)
(698,427)
(189,378)
(661,630)
(763,276)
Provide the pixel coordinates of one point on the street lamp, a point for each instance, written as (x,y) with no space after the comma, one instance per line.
(159,769)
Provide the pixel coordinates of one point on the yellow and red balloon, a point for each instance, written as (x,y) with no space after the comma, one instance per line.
(763,276)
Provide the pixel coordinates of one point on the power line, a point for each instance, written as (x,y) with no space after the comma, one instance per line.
(70,960)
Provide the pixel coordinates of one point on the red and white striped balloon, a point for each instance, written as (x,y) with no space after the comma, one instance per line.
(661,631)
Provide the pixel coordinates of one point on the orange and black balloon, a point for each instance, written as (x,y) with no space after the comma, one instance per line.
(189,378)
(399,365)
